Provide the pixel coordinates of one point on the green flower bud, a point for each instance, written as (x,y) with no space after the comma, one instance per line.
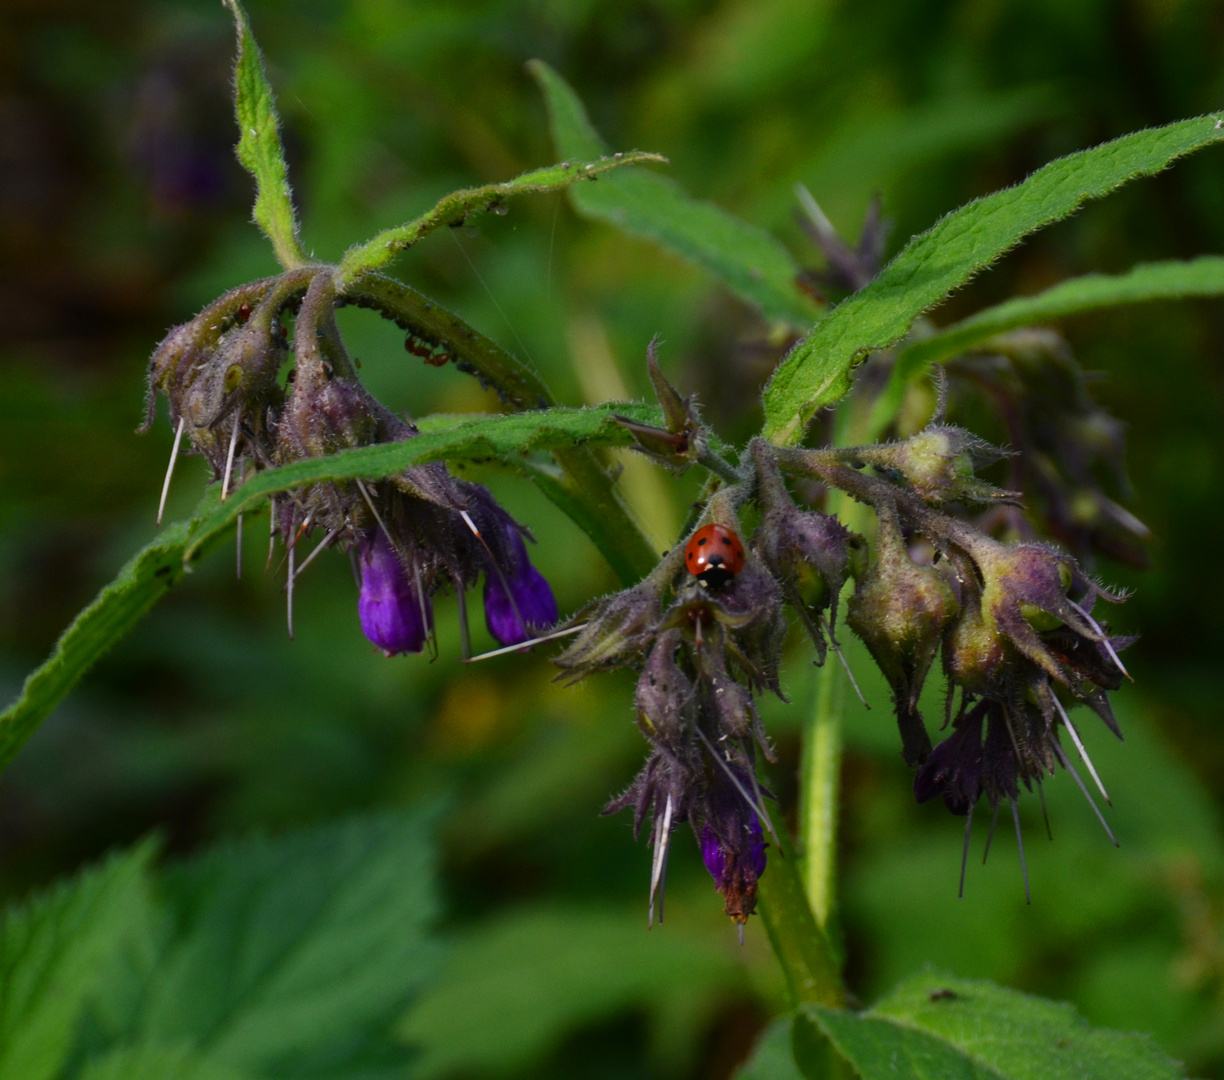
(939,464)
(900,610)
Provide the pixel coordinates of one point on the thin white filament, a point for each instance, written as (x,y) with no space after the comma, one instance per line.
(325,542)
(527,644)
(289,592)
(178,438)
(1066,764)
(757,808)
(497,569)
(1075,738)
(1108,645)
(661,840)
(271,532)
(229,458)
(373,510)
(844,662)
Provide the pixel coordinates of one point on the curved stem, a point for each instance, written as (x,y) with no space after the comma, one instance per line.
(584,490)
(719,466)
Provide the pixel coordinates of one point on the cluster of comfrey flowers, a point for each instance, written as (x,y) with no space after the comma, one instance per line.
(1010,618)
(1011,622)
(409,535)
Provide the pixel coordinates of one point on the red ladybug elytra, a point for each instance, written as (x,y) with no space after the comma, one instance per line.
(714,555)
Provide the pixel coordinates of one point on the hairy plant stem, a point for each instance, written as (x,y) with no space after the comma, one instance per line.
(582,488)
(807,958)
(720,467)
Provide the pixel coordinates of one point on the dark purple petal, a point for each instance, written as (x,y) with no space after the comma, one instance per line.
(713,856)
(723,863)
(954,768)
(518,600)
(393,615)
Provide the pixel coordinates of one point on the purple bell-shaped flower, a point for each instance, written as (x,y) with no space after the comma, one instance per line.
(393,614)
(518,601)
(736,866)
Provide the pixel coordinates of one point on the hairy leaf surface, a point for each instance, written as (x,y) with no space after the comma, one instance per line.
(286,946)
(457,207)
(259,146)
(53,954)
(938,1027)
(1147,282)
(817,371)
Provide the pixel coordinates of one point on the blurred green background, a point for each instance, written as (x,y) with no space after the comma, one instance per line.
(123,211)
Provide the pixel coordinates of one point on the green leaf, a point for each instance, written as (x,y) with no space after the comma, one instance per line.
(751,262)
(151,573)
(457,207)
(583,488)
(156,1063)
(513,988)
(1146,282)
(817,371)
(285,947)
(53,953)
(937,1027)
(499,438)
(259,146)
(116,609)
(772,1057)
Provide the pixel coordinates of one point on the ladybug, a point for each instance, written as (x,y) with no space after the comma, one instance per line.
(714,555)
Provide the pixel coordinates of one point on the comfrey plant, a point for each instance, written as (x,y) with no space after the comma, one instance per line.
(881,528)
(410,534)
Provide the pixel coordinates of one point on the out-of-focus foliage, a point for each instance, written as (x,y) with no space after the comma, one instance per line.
(122,211)
(257,958)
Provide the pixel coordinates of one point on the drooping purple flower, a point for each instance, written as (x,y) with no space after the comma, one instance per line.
(393,614)
(518,600)
(736,867)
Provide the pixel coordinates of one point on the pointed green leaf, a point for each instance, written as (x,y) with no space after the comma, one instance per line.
(750,261)
(284,947)
(153,570)
(817,371)
(53,953)
(143,581)
(1148,281)
(259,146)
(498,438)
(457,207)
(938,1027)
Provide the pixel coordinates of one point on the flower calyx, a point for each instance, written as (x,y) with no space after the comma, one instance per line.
(412,533)
(683,441)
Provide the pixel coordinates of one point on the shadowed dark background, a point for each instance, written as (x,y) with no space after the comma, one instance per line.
(123,211)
